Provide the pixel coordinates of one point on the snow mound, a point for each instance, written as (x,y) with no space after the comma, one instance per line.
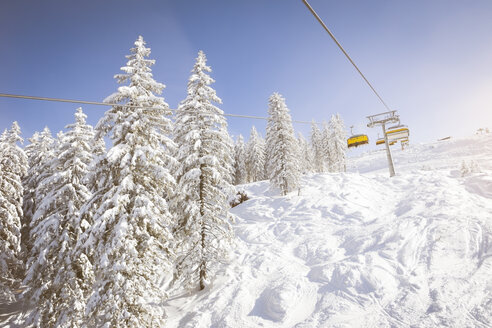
(361,250)
(279,302)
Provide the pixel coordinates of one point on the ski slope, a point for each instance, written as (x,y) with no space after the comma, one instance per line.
(360,249)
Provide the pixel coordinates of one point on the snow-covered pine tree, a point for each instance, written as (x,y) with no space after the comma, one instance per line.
(3,140)
(13,166)
(262,143)
(317,147)
(255,157)
(464,169)
(98,147)
(305,155)
(337,144)
(31,151)
(28,205)
(326,146)
(203,181)
(474,167)
(39,153)
(55,277)
(282,143)
(99,152)
(129,241)
(240,174)
(59,139)
(267,160)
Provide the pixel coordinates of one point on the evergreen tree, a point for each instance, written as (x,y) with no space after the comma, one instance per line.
(262,145)
(31,151)
(99,152)
(56,279)
(255,157)
(326,146)
(338,144)
(203,181)
(318,149)
(305,155)
(28,205)
(240,174)
(281,142)
(465,169)
(129,240)
(59,139)
(474,167)
(98,146)
(13,166)
(40,152)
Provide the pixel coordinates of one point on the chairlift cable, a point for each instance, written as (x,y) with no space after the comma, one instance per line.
(344,52)
(73,101)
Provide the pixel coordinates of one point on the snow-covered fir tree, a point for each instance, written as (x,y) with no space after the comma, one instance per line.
(326,146)
(262,143)
(32,152)
(465,169)
(282,145)
(255,157)
(13,166)
(39,153)
(99,152)
(59,139)
(305,155)
(317,148)
(203,181)
(129,241)
(474,167)
(98,147)
(240,174)
(470,167)
(29,185)
(55,277)
(337,144)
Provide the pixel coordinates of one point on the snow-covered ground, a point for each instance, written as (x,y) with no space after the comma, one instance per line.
(361,249)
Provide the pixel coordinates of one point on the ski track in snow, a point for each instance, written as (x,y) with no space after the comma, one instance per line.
(361,250)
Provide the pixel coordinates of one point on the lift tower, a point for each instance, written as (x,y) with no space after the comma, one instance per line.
(381,119)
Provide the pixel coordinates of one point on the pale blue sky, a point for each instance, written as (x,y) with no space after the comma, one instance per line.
(429,59)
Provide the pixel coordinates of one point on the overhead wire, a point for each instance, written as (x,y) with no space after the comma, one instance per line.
(344,52)
(73,101)
(85,102)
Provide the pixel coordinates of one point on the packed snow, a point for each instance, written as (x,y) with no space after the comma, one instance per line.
(360,249)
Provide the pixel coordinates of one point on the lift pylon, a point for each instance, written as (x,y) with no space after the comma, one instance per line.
(380,120)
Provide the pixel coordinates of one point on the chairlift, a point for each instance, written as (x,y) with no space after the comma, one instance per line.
(404,143)
(398,132)
(380,141)
(356,140)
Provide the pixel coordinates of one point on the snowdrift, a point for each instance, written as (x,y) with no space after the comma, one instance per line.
(360,249)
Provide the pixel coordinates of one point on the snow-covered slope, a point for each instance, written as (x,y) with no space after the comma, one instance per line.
(361,249)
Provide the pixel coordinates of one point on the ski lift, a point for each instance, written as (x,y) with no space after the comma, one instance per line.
(357,139)
(404,143)
(380,141)
(397,132)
